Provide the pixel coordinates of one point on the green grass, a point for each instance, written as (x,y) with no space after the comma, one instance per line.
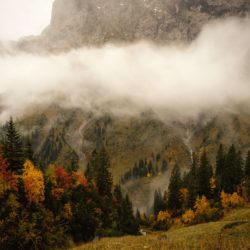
(232,232)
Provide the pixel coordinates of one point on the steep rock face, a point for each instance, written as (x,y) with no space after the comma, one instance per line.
(75,23)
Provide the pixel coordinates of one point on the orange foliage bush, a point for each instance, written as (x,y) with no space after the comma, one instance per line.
(201,205)
(163,216)
(80,179)
(231,200)
(57,193)
(188,216)
(8,181)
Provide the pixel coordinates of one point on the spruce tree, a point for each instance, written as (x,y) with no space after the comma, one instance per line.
(247,166)
(233,170)
(158,202)
(28,150)
(99,168)
(220,167)
(205,173)
(174,187)
(129,223)
(193,182)
(13,150)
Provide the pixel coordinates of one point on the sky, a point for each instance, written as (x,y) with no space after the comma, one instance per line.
(20,18)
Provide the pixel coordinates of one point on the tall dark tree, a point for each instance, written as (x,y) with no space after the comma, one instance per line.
(99,168)
(13,150)
(205,174)
(28,152)
(247,166)
(220,167)
(174,202)
(158,202)
(233,170)
(129,223)
(124,217)
(193,182)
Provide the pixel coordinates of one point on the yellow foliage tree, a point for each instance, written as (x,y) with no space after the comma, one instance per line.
(202,205)
(33,183)
(188,216)
(231,200)
(163,216)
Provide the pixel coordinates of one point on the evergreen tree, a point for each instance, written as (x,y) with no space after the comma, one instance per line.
(88,172)
(205,174)
(164,166)
(158,202)
(174,187)
(129,223)
(124,217)
(13,151)
(99,167)
(247,166)
(220,167)
(28,150)
(193,182)
(233,170)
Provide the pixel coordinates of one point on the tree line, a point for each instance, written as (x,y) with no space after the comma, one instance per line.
(49,208)
(224,185)
(145,168)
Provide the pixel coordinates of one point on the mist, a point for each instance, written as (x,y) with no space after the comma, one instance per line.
(211,73)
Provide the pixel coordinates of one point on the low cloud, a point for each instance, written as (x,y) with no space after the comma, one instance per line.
(211,73)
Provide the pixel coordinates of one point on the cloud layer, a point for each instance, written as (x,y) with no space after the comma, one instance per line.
(212,72)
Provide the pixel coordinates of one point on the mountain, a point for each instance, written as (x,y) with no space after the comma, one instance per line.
(76,23)
(65,136)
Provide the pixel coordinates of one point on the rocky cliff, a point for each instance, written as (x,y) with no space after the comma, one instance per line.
(76,23)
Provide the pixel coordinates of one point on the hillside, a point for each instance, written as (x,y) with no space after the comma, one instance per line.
(62,136)
(232,232)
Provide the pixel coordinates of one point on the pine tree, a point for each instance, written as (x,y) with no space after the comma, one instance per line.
(174,187)
(193,182)
(129,223)
(99,167)
(158,202)
(164,166)
(13,151)
(233,170)
(28,150)
(205,174)
(247,166)
(220,167)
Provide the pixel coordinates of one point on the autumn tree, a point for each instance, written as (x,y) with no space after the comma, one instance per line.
(8,180)
(33,183)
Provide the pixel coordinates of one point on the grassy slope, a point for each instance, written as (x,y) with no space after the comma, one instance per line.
(232,232)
